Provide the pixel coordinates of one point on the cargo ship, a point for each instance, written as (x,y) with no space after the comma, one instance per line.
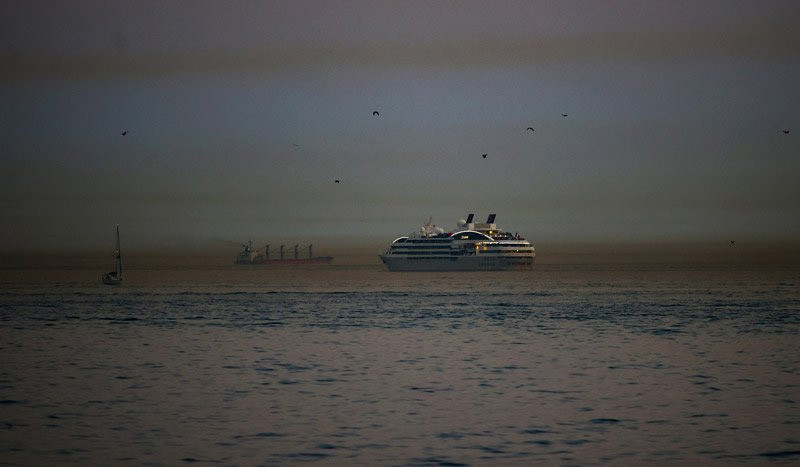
(278,256)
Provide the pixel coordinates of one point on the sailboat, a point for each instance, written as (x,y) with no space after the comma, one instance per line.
(115,277)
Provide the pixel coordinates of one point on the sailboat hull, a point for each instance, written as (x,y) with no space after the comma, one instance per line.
(111,278)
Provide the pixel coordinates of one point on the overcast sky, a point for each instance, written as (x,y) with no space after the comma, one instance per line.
(240,116)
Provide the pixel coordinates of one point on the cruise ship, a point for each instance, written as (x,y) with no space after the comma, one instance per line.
(474,246)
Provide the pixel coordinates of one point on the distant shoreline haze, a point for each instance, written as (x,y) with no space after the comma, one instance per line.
(547,253)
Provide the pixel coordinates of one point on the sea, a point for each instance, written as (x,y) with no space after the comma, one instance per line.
(567,364)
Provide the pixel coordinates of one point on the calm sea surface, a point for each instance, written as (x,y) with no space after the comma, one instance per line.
(565,365)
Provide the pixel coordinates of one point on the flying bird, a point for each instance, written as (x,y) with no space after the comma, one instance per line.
(336,181)
(484,155)
(120,43)
(531,128)
(563,115)
(785,132)
(295,145)
(375,112)
(733,242)
(124,132)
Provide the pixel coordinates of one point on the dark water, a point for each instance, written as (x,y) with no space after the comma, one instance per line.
(573,365)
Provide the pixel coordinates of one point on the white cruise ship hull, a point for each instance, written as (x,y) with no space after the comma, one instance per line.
(457,263)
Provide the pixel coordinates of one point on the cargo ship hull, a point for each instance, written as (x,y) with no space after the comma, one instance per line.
(288,261)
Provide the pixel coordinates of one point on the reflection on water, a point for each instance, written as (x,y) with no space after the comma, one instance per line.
(572,365)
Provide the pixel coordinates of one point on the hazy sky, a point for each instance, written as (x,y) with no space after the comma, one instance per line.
(240,115)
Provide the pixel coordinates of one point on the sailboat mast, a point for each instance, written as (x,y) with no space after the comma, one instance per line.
(119,256)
